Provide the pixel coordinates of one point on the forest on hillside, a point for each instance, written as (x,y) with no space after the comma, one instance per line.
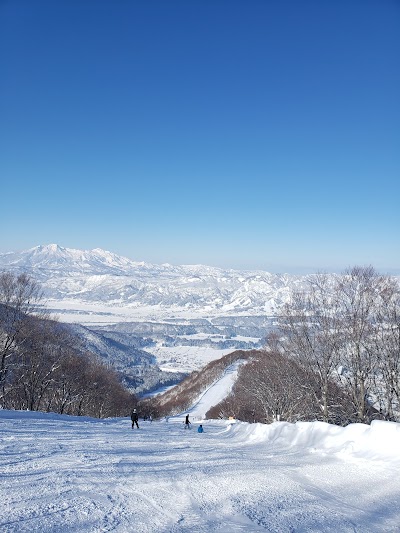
(43,367)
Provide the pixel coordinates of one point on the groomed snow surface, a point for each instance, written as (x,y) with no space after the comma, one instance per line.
(64,474)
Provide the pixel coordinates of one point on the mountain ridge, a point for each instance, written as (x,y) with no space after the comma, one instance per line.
(53,255)
(99,276)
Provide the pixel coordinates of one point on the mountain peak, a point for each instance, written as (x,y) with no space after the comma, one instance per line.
(49,248)
(56,258)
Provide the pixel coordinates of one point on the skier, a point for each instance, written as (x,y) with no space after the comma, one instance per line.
(134,418)
(200,429)
(187,422)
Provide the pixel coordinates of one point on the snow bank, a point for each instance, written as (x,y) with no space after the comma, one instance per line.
(379,441)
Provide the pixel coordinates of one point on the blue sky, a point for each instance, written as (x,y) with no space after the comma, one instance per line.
(241,134)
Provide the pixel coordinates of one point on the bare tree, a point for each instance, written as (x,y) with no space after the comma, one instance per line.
(359,294)
(312,335)
(272,387)
(66,391)
(20,297)
(42,357)
(387,345)
(345,329)
(37,362)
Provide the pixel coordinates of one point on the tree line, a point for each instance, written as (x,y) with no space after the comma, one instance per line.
(347,331)
(43,367)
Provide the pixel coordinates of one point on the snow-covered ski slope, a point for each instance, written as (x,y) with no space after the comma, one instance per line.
(70,474)
(215,393)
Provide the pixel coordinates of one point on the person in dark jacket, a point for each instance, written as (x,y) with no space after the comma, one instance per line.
(134,418)
(187,422)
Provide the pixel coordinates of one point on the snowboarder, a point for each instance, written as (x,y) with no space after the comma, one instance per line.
(187,422)
(200,429)
(134,418)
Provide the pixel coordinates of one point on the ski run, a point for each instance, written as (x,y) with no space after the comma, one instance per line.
(74,474)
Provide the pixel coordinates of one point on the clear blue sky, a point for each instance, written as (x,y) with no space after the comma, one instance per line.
(241,134)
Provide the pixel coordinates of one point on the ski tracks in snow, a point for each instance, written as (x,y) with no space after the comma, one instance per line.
(101,476)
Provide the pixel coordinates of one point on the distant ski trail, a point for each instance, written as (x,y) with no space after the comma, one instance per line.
(216,392)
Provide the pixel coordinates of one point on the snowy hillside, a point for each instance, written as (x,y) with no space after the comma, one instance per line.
(70,474)
(88,281)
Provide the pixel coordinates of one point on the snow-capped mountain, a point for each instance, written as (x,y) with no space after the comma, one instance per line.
(101,277)
(65,261)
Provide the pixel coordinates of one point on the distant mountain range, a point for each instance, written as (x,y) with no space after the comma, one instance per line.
(101,277)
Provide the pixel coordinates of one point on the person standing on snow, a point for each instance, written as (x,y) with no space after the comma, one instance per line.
(187,422)
(134,418)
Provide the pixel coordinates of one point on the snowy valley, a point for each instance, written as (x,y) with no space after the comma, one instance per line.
(149,318)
